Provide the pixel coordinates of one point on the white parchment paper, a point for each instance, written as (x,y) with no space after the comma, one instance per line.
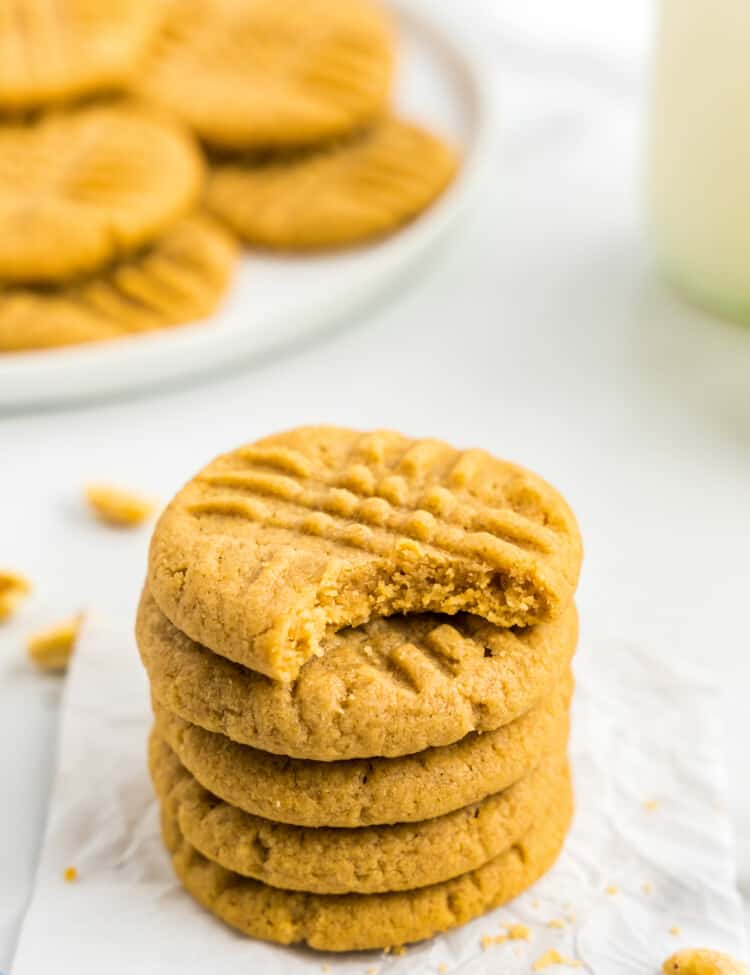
(649,865)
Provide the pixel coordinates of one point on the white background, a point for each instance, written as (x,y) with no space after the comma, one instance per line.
(540,331)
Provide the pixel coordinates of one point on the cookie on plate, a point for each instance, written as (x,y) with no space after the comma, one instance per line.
(81,189)
(367,792)
(371,859)
(271,73)
(391,687)
(273,547)
(180,278)
(347,922)
(52,52)
(336,195)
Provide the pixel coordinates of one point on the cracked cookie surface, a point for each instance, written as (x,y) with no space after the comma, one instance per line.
(273,547)
(366,792)
(370,859)
(271,73)
(350,922)
(85,188)
(392,687)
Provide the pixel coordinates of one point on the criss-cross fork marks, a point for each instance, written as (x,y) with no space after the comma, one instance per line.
(182,278)
(411,504)
(441,652)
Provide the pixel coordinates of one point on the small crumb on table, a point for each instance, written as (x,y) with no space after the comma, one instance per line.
(612,890)
(556,922)
(118,507)
(553,957)
(675,929)
(493,939)
(518,932)
(70,875)
(651,805)
(13,589)
(52,648)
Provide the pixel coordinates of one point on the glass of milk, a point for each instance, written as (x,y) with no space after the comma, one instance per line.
(699,153)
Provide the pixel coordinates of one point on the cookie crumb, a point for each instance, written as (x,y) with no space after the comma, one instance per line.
(396,950)
(553,957)
(675,930)
(612,890)
(51,649)
(648,888)
(70,875)
(13,588)
(556,922)
(518,932)
(115,506)
(493,939)
(651,805)
(703,961)
(442,968)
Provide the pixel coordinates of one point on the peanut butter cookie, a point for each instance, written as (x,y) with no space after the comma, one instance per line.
(51,52)
(367,792)
(273,547)
(181,277)
(392,687)
(371,859)
(336,195)
(260,73)
(81,189)
(347,922)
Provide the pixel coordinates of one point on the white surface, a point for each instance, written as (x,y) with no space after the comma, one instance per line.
(277,301)
(633,715)
(539,331)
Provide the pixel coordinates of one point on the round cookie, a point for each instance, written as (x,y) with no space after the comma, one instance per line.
(81,189)
(274,546)
(52,52)
(180,278)
(367,792)
(371,859)
(392,687)
(337,195)
(350,922)
(271,73)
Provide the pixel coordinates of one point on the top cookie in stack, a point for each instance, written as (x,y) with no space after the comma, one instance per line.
(277,545)
(347,634)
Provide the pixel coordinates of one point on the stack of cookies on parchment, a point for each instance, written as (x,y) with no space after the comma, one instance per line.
(359,651)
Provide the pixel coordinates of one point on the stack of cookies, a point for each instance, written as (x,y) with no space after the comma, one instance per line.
(359,651)
(291,99)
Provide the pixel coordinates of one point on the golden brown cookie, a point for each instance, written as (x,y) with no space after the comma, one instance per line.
(275,545)
(350,922)
(81,189)
(366,792)
(392,687)
(180,278)
(53,51)
(259,73)
(336,195)
(371,859)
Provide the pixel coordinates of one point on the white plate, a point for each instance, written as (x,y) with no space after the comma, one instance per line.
(278,300)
